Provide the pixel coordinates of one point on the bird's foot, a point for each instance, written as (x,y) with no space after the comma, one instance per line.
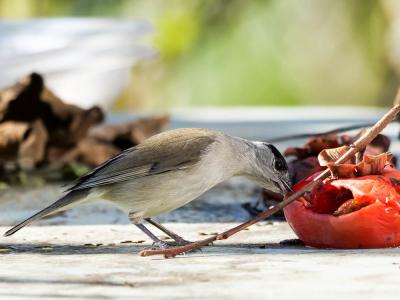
(167,245)
(179,242)
(160,245)
(174,251)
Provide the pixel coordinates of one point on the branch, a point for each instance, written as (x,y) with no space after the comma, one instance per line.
(358,145)
(308,135)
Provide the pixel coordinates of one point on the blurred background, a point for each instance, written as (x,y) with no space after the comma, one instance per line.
(225,53)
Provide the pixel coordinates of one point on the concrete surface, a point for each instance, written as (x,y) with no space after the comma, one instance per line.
(101,262)
(91,252)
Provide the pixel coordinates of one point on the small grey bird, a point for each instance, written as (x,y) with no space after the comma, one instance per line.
(169,170)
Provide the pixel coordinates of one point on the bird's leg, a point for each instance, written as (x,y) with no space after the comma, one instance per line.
(180,241)
(157,242)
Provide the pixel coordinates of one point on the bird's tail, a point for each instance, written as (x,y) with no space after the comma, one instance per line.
(60,204)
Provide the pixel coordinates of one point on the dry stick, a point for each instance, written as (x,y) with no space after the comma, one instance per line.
(359,144)
(308,135)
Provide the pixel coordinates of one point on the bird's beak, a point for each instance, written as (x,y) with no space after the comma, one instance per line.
(284,186)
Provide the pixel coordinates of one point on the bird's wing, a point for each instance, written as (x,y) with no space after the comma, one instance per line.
(172,150)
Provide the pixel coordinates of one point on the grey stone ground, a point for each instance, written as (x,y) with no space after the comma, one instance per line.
(52,262)
(91,252)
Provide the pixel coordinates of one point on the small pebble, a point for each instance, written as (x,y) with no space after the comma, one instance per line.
(89,245)
(47,249)
(292,242)
(132,242)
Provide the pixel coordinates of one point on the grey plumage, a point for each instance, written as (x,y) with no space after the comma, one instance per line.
(170,169)
(151,158)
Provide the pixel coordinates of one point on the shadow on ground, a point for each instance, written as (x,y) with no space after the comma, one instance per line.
(135,248)
(131,248)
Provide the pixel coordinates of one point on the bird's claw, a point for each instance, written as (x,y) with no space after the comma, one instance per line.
(161,245)
(181,242)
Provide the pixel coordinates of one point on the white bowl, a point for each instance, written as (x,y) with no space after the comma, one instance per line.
(86,61)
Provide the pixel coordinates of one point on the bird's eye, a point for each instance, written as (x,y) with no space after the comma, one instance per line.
(279,165)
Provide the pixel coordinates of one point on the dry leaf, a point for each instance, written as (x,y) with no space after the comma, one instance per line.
(374,164)
(129,134)
(379,145)
(302,168)
(343,170)
(11,136)
(297,152)
(32,150)
(327,156)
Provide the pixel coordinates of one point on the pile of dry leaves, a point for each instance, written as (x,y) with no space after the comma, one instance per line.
(39,130)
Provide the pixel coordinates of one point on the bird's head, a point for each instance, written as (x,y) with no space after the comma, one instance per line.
(269,168)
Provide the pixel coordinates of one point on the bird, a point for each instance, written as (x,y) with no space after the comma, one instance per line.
(167,171)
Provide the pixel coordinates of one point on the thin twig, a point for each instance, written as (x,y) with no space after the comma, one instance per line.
(359,144)
(308,135)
